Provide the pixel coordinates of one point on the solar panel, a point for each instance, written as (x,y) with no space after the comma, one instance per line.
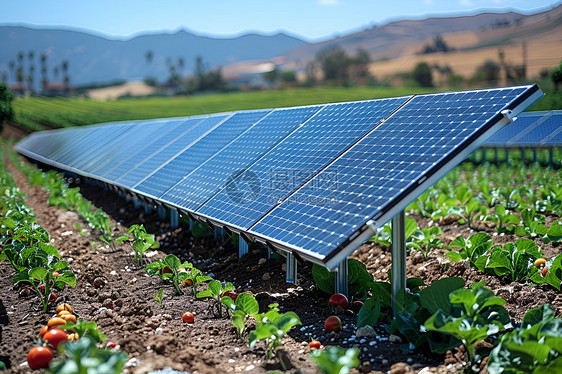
(135,155)
(211,175)
(383,171)
(169,146)
(143,133)
(294,160)
(195,154)
(532,129)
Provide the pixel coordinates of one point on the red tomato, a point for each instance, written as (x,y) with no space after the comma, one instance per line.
(56,273)
(233,295)
(43,330)
(111,345)
(42,287)
(315,344)
(544,271)
(39,357)
(54,337)
(332,323)
(356,306)
(188,317)
(338,299)
(166,270)
(52,297)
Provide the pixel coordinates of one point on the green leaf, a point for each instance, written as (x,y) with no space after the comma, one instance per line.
(38,273)
(536,315)
(435,297)
(454,256)
(369,312)
(238,320)
(247,303)
(67,277)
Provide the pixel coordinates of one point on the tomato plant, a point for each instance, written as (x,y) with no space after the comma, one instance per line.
(39,357)
(215,290)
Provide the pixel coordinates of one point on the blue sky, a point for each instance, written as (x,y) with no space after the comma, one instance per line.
(309,19)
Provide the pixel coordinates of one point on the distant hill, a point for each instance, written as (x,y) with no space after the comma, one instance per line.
(95,59)
(395,46)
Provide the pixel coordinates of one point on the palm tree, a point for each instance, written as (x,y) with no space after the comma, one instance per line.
(13,69)
(149,56)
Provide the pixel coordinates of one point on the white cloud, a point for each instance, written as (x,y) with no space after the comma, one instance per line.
(327,2)
(466,3)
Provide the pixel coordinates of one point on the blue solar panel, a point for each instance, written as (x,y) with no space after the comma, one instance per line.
(198,186)
(135,155)
(144,133)
(169,146)
(532,129)
(382,169)
(295,160)
(546,132)
(81,146)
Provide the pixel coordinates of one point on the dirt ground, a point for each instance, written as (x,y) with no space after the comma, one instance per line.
(115,292)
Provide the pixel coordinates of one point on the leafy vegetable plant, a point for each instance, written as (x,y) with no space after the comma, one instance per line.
(425,240)
(215,291)
(514,259)
(533,224)
(141,241)
(534,347)
(505,221)
(476,314)
(272,327)
(553,274)
(245,306)
(336,360)
(473,249)
(176,271)
(358,278)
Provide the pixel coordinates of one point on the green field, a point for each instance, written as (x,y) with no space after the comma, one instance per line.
(38,113)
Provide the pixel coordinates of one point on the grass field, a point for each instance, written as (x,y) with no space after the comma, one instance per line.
(38,113)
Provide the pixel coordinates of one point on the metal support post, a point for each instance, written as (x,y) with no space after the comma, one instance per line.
(507,156)
(551,157)
(398,257)
(291,273)
(522,150)
(161,211)
(147,208)
(219,233)
(174,219)
(136,202)
(341,278)
(190,225)
(495,156)
(242,247)
(535,158)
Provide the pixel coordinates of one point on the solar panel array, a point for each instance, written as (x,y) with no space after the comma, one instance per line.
(530,129)
(305,179)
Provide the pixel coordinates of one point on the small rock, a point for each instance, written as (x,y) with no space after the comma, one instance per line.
(394,339)
(366,331)
(262,261)
(266,277)
(99,282)
(108,303)
(401,368)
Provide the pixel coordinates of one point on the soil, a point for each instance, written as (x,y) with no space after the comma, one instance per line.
(115,292)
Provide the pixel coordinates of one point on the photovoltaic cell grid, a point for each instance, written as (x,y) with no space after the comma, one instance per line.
(143,133)
(296,159)
(194,189)
(310,185)
(138,154)
(182,164)
(167,147)
(532,129)
(384,166)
